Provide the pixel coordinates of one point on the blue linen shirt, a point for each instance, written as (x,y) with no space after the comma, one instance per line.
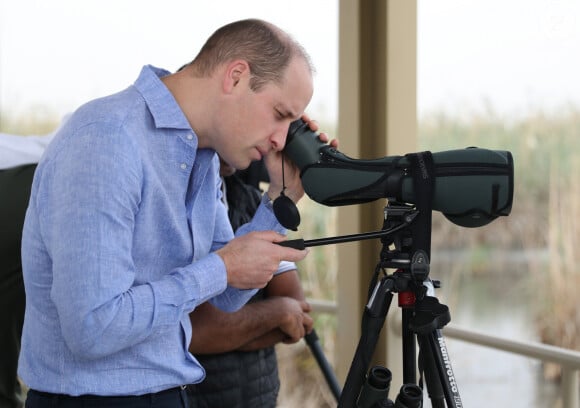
(118,247)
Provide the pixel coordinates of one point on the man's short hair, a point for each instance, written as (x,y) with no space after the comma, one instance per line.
(267,49)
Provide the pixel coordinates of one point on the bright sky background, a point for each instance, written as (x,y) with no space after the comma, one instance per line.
(516,55)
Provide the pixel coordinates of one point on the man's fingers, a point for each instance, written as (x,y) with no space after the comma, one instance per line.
(293,255)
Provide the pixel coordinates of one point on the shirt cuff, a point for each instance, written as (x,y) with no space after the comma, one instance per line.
(188,287)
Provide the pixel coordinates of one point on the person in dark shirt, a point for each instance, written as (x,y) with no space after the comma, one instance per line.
(15,185)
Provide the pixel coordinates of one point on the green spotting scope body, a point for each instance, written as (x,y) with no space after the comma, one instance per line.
(472,187)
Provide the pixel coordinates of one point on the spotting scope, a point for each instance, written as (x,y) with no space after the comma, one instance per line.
(473,186)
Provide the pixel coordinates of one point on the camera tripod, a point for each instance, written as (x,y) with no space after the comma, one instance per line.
(406,239)
(423,317)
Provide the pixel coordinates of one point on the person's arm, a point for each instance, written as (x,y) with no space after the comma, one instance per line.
(280,317)
(286,284)
(86,215)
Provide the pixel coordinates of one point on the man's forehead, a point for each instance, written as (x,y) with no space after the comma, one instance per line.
(291,96)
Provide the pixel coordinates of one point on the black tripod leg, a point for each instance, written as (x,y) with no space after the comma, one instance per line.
(439,375)
(409,349)
(312,341)
(428,367)
(373,320)
(361,361)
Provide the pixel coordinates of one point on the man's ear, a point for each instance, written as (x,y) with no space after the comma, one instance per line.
(236,72)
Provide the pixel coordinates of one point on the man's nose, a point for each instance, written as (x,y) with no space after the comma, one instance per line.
(279,138)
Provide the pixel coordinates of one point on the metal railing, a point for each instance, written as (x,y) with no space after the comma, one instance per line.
(569,360)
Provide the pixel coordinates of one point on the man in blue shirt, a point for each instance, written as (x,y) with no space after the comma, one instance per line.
(126,233)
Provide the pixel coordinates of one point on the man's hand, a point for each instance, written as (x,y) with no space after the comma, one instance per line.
(252,259)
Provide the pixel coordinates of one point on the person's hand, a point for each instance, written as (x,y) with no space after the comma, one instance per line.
(252,259)
(296,322)
(291,174)
(287,180)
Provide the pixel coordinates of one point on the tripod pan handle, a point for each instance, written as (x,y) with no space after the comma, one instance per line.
(293,243)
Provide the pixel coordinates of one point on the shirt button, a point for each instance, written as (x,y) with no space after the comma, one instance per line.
(183,166)
(189,137)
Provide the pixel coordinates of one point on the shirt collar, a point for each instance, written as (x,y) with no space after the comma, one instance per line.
(162,105)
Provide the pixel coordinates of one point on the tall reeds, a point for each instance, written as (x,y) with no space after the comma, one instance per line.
(558,321)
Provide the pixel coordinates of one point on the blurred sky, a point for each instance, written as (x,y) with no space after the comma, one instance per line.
(514,55)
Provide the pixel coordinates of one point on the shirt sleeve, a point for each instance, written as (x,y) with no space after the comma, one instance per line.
(86,207)
(286,266)
(264,219)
